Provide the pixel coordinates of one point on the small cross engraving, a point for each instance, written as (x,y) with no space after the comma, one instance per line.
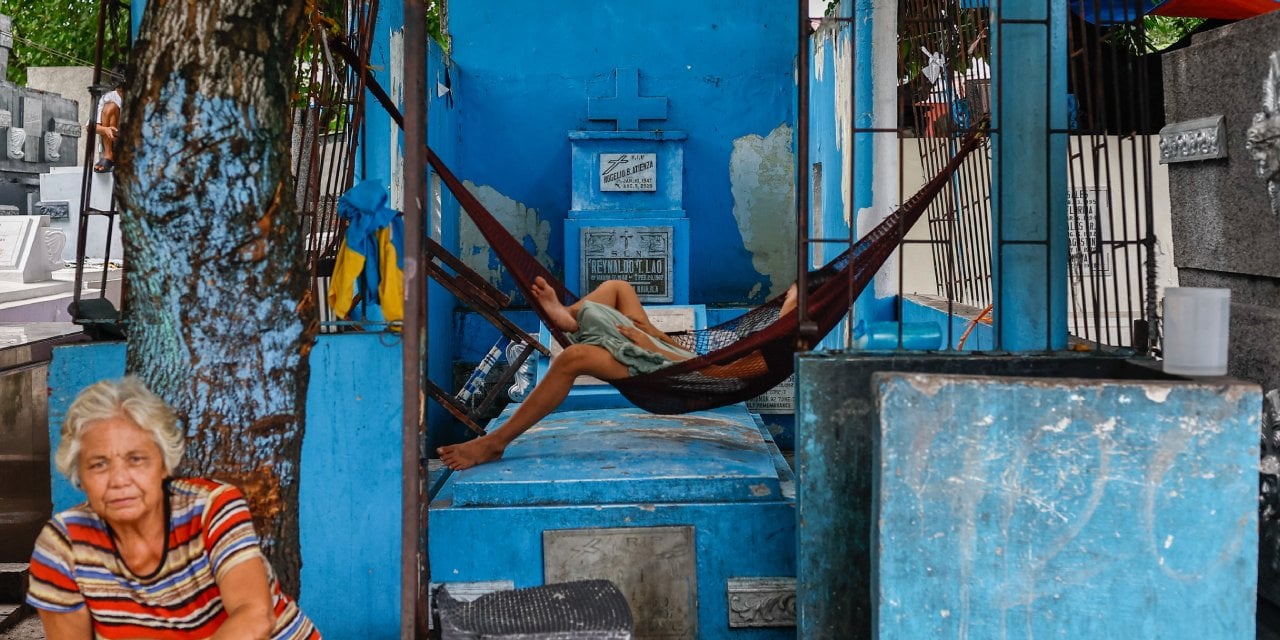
(627,107)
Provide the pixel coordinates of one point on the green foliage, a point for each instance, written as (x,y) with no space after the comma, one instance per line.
(59,33)
(435,23)
(1153,34)
(1163,31)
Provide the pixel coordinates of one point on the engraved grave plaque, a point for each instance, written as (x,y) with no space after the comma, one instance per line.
(1089,231)
(63,127)
(1194,140)
(55,209)
(761,602)
(655,567)
(628,172)
(780,399)
(13,233)
(639,255)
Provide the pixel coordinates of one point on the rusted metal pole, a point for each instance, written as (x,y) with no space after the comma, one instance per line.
(86,177)
(808,329)
(413,623)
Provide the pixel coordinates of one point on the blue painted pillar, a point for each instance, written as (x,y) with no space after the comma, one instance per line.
(1029,186)
(381,136)
(872,305)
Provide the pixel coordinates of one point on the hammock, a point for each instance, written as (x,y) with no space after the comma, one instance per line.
(741,358)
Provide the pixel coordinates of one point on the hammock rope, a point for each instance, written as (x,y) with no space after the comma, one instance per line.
(741,358)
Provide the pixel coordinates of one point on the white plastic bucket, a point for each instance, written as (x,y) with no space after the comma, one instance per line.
(1195,330)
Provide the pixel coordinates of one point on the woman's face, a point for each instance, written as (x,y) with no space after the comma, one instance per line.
(122,471)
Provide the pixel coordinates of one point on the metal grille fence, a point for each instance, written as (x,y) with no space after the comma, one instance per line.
(1115,111)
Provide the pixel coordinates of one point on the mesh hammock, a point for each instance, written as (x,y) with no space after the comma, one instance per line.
(743,357)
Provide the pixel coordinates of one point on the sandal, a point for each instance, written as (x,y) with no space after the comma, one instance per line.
(103,166)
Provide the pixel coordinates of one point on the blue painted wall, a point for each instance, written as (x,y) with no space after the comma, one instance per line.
(442,349)
(526,71)
(349,499)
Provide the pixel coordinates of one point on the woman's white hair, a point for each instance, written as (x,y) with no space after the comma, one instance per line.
(126,398)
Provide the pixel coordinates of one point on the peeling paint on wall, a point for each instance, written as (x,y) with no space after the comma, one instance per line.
(396,49)
(841,52)
(523,222)
(762,180)
(437,208)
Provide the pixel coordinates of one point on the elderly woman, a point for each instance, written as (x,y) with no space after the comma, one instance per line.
(149,555)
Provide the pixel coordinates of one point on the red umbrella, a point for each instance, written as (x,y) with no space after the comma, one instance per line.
(1221,9)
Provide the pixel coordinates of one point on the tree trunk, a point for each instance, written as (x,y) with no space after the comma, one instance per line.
(219,308)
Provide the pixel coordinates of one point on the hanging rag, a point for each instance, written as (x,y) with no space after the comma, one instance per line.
(369,266)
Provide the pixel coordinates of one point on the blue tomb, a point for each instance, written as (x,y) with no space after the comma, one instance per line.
(693,516)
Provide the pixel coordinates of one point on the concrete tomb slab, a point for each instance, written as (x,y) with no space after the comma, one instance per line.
(620,456)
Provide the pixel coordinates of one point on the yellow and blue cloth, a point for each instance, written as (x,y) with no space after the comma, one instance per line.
(369,266)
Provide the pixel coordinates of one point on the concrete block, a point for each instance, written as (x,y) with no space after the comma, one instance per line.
(1064,508)
(835,426)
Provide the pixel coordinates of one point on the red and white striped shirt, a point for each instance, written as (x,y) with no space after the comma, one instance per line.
(76,564)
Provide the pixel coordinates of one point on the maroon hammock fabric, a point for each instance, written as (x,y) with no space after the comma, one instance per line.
(746,356)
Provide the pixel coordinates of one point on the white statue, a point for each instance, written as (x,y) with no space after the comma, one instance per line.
(17,138)
(54,241)
(1263,138)
(52,146)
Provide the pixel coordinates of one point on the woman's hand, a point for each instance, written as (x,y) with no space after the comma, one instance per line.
(635,335)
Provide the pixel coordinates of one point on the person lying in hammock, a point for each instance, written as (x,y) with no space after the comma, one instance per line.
(612,339)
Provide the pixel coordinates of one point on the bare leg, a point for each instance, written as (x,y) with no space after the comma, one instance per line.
(620,295)
(562,318)
(576,360)
(111,122)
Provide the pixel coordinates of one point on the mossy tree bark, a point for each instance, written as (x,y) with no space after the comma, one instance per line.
(219,308)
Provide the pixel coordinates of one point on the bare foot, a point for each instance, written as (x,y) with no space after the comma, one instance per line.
(471,453)
(560,316)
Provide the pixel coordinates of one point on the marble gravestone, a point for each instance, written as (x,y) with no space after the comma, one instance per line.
(29,250)
(1226,211)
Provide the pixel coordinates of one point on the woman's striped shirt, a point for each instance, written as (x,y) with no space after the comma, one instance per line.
(75,564)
